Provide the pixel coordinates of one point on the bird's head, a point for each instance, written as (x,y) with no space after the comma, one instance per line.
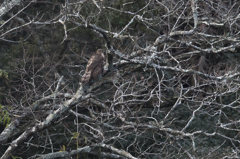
(100,51)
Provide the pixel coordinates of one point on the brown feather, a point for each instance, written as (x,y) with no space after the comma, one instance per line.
(94,67)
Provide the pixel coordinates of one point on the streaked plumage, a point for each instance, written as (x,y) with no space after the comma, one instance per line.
(94,67)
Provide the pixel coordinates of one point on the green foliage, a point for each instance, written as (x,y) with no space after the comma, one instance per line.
(4,116)
(3,74)
(63,148)
(15,157)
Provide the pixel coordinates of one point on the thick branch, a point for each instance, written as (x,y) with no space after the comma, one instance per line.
(43,125)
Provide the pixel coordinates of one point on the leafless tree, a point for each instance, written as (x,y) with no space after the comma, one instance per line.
(170,88)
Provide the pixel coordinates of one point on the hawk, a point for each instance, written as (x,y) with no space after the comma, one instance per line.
(94,68)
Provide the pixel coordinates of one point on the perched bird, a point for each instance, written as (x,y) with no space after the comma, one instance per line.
(94,67)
